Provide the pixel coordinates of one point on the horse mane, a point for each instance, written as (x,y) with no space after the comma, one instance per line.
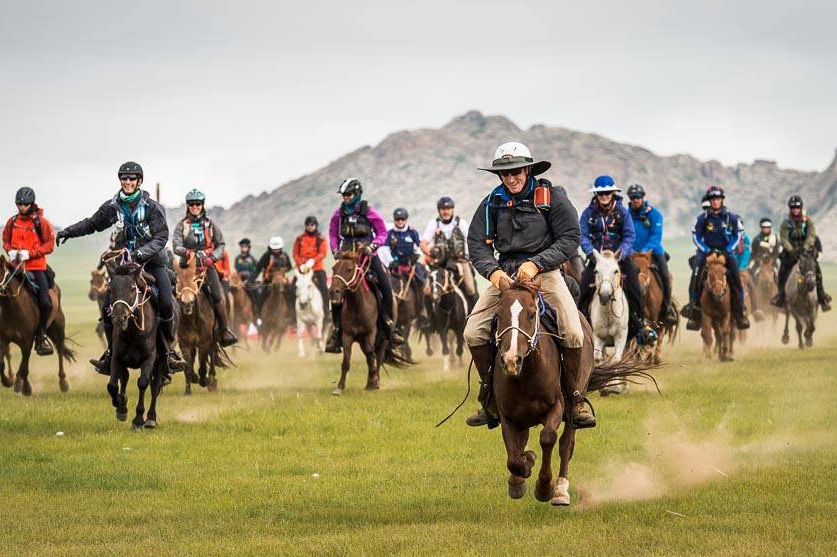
(346,254)
(531,286)
(126,269)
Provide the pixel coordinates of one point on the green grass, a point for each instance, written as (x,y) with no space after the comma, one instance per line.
(743,453)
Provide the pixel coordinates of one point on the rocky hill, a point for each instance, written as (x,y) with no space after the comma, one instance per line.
(414,168)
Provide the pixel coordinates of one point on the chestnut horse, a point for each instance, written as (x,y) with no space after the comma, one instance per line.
(18,323)
(766,288)
(528,391)
(274,312)
(242,312)
(652,292)
(716,310)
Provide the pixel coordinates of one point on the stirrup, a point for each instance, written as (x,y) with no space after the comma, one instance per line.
(43,347)
(592,413)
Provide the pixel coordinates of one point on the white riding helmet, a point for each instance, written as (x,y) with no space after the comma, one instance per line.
(276,243)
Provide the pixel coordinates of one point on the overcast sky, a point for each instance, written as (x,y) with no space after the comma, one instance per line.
(238,97)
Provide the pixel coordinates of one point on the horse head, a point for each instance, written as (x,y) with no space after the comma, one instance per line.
(439,284)
(303,288)
(642,260)
(347,275)
(189,282)
(808,271)
(98,284)
(127,293)
(518,323)
(608,276)
(716,276)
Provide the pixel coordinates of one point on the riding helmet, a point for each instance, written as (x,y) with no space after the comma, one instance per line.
(310,219)
(130,168)
(795,201)
(276,243)
(636,191)
(766,223)
(350,186)
(195,195)
(244,242)
(715,191)
(25,196)
(445,203)
(400,213)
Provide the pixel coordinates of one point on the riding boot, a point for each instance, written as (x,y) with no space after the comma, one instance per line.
(228,337)
(574,381)
(175,360)
(738,313)
(669,314)
(42,345)
(483,356)
(393,335)
(102,365)
(822,298)
(333,344)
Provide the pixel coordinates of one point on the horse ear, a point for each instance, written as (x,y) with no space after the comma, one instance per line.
(617,254)
(596,255)
(505,284)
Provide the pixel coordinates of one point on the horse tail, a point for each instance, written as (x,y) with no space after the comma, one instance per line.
(221,358)
(64,351)
(626,369)
(392,357)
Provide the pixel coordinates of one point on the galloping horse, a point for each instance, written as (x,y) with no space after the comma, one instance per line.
(19,322)
(405,291)
(135,342)
(360,319)
(766,288)
(98,289)
(716,309)
(196,331)
(801,296)
(242,312)
(274,312)
(310,313)
(450,312)
(609,312)
(652,292)
(528,390)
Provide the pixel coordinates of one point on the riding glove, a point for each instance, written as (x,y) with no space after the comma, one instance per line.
(527,270)
(498,277)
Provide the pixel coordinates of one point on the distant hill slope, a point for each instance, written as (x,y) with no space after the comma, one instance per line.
(414,168)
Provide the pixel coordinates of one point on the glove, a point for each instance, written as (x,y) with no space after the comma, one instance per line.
(498,278)
(61,238)
(12,254)
(370,249)
(309,264)
(23,255)
(527,270)
(137,256)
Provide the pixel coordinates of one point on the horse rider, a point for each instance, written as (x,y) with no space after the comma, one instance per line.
(141,229)
(743,254)
(606,224)
(28,238)
(355,226)
(766,244)
(198,235)
(445,243)
(309,251)
(716,229)
(533,227)
(648,236)
(404,244)
(245,265)
(272,262)
(797,235)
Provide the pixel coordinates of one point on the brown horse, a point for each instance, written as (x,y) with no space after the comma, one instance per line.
(652,292)
(196,331)
(242,313)
(274,312)
(766,289)
(19,321)
(528,390)
(716,309)
(405,291)
(98,289)
(359,315)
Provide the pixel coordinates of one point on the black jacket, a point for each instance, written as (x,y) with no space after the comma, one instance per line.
(520,232)
(281,263)
(152,237)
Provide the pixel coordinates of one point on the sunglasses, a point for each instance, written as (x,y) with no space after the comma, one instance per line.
(637,197)
(400,220)
(510,173)
(126,178)
(605,194)
(195,204)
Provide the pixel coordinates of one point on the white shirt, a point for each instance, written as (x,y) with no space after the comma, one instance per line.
(447,230)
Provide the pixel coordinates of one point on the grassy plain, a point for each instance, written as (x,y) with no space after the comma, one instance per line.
(733,459)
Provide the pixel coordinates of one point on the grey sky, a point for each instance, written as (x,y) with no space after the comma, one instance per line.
(239,97)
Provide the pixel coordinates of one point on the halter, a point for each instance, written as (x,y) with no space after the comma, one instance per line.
(615,288)
(531,338)
(712,284)
(357,275)
(8,278)
(198,280)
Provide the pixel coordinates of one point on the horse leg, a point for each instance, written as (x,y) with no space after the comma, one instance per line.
(56,333)
(344,366)
(518,462)
(566,446)
(408,326)
(786,334)
(202,380)
(189,374)
(809,332)
(156,387)
(798,332)
(460,345)
(213,381)
(545,486)
(143,381)
(598,349)
(6,362)
(706,332)
(118,373)
(300,345)
(372,359)
(22,384)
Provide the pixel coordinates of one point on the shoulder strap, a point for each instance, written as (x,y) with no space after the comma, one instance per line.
(318,242)
(364,208)
(36,221)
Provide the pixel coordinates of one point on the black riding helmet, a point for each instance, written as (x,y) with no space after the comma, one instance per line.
(350,186)
(795,201)
(310,219)
(400,213)
(25,196)
(445,203)
(244,242)
(130,168)
(636,191)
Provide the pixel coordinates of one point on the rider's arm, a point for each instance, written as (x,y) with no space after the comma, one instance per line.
(463,226)
(655,242)
(296,251)
(566,234)
(427,237)
(334,231)
(102,219)
(628,235)
(584,228)
(218,243)
(784,236)
(177,240)
(7,235)
(697,233)
(482,253)
(811,239)
(379,227)
(46,241)
(737,235)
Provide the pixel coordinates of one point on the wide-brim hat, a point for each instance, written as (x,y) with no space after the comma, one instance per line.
(604,184)
(512,155)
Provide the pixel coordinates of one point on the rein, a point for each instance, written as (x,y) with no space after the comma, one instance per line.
(405,287)
(198,281)
(8,278)
(614,297)
(140,299)
(357,275)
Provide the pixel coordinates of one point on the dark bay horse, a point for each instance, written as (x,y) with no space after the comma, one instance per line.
(450,312)
(359,313)
(716,309)
(98,289)
(528,391)
(18,323)
(652,292)
(274,312)
(405,291)
(135,343)
(801,296)
(196,331)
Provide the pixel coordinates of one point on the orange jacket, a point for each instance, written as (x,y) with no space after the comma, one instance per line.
(310,246)
(19,233)
(223,266)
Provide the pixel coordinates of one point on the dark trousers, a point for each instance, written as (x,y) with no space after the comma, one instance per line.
(212,285)
(737,294)
(384,285)
(44,303)
(662,266)
(321,280)
(165,301)
(632,289)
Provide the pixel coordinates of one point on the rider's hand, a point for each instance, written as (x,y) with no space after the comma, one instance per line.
(370,249)
(499,277)
(527,271)
(137,256)
(309,264)
(23,255)
(12,254)
(61,237)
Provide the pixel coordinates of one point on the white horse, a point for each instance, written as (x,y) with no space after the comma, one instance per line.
(309,312)
(609,312)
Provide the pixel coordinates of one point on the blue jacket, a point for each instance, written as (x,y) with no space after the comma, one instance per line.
(607,232)
(743,252)
(717,231)
(648,229)
(402,244)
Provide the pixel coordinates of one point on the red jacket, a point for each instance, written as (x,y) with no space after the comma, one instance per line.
(310,246)
(19,233)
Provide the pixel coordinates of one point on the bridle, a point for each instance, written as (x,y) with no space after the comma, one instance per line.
(713,284)
(197,281)
(8,278)
(358,273)
(140,299)
(616,288)
(533,338)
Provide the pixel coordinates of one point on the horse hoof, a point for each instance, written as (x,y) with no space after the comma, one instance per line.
(187,392)
(809,343)
(136,428)
(203,382)
(150,424)
(121,416)
(428,352)
(27,389)
(212,386)
(6,381)
(372,387)
(64,386)
(517,491)
(542,495)
(18,386)
(337,391)
(785,340)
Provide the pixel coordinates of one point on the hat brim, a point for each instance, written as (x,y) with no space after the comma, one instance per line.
(538,167)
(606,189)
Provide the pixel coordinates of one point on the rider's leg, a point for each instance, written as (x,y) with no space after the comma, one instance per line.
(333,344)
(42,345)
(633,293)
(823,298)
(385,287)
(786,262)
(321,281)
(477,336)
(165,305)
(586,287)
(557,294)
(692,310)
(213,285)
(737,295)
(669,316)
(463,267)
